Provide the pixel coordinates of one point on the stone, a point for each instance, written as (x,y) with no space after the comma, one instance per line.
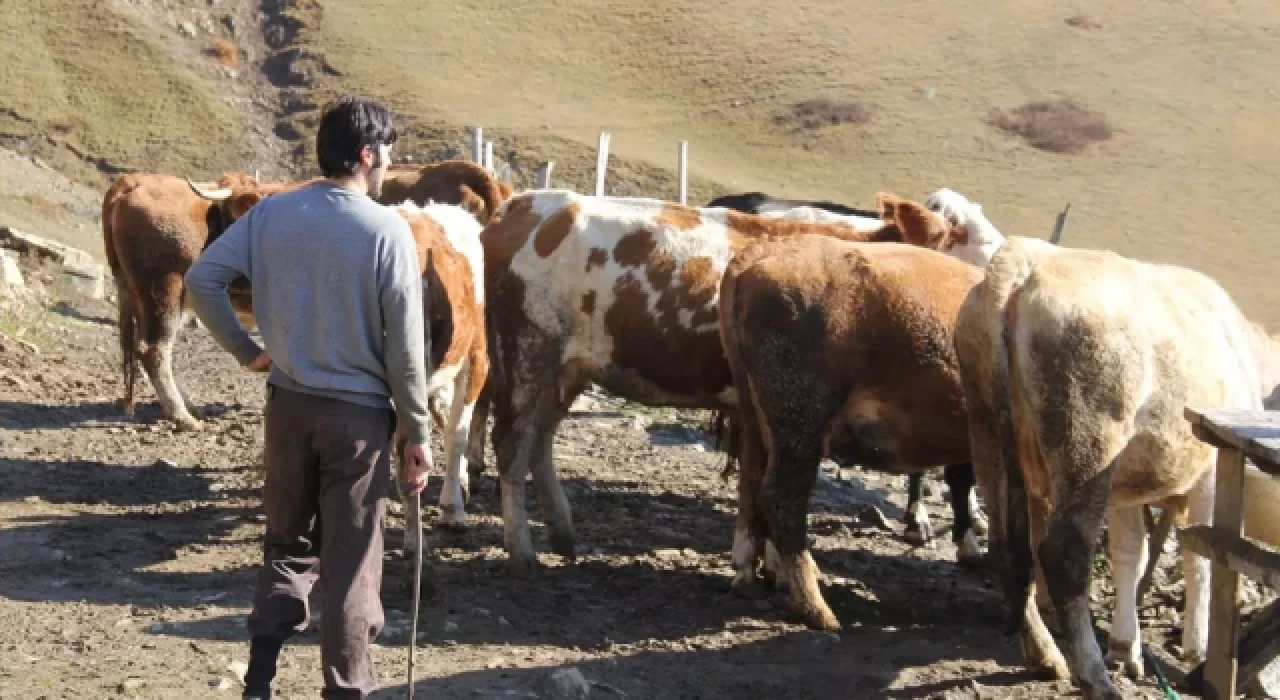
(87,279)
(10,274)
(188,29)
(565,684)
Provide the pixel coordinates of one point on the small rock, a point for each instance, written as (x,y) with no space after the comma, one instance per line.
(167,463)
(10,274)
(565,684)
(29,347)
(188,29)
(131,686)
(667,554)
(222,683)
(88,279)
(238,668)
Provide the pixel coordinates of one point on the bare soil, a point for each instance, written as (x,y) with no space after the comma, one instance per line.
(128,551)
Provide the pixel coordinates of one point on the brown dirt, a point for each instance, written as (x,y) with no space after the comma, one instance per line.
(118,568)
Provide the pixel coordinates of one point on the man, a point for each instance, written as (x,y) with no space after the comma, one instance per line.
(338,300)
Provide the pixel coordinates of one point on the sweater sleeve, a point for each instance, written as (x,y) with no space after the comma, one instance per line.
(401,297)
(207,280)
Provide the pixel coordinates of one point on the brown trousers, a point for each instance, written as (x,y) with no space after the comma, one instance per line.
(328,475)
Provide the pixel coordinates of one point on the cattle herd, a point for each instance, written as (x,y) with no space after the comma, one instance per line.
(913,336)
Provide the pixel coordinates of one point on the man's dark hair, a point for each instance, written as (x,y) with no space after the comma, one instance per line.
(348,124)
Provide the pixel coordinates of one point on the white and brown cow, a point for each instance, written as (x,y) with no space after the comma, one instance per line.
(840,350)
(154,226)
(448,237)
(1077,366)
(622,292)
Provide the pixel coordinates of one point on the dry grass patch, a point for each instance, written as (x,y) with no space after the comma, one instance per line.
(227,53)
(1083,21)
(823,111)
(1060,126)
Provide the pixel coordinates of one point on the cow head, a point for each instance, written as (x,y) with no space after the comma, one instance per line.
(947,229)
(234,197)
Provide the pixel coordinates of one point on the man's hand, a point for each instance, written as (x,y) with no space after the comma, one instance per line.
(261,363)
(415,463)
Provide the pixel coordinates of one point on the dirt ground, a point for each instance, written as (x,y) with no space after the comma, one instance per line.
(127,554)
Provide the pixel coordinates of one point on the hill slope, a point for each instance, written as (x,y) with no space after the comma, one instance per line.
(1189,89)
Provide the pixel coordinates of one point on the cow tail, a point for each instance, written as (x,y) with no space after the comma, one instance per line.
(1018,560)
(125,305)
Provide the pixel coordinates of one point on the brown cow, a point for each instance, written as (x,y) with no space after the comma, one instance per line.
(154,226)
(1077,366)
(620,291)
(839,350)
(457,182)
(458,354)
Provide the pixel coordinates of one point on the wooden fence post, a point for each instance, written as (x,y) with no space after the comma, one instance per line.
(682,160)
(1058,226)
(477,145)
(544,174)
(488,156)
(602,161)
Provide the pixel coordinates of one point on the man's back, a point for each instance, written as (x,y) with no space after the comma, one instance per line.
(318,266)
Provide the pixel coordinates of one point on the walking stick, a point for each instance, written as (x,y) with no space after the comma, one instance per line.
(416,516)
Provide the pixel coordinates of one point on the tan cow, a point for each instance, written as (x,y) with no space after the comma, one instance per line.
(839,350)
(458,357)
(459,182)
(1077,365)
(622,292)
(154,226)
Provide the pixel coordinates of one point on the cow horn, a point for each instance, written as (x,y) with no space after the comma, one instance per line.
(218,194)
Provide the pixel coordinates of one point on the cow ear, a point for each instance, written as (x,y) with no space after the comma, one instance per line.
(887,205)
(919,226)
(242,202)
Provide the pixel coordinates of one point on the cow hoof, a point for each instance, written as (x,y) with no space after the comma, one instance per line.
(751,590)
(522,566)
(563,545)
(919,535)
(1132,668)
(979,523)
(968,551)
(816,618)
(186,425)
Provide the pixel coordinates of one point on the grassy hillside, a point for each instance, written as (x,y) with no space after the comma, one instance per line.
(82,74)
(1188,89)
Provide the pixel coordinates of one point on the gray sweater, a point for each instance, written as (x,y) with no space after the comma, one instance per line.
(336,293)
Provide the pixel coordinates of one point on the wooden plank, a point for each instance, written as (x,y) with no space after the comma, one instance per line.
(1239,554)
(1257,433)
(544,174)
(1224,583)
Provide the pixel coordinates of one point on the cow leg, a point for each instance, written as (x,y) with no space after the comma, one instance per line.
(788,481)
(573,378)
(1127,545)
(456,431)
(128,335)
(960,483)
(1195,572)
(1066,555)
(751,527)
(919,531)
(160,330)
(475,438)
(977,519)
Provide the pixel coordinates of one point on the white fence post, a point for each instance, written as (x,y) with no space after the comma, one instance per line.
(477,145)
(544,174)
(683,164)
(602,160)
(488,156)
